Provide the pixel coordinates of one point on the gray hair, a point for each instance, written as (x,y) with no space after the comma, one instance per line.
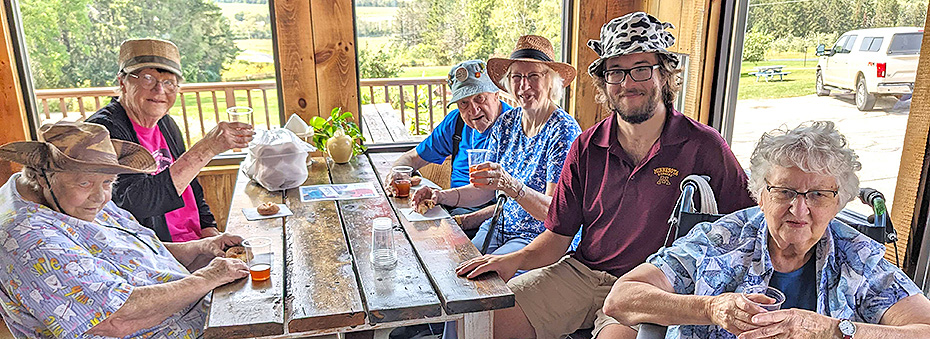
(31,177)
(813,147)
(556,88)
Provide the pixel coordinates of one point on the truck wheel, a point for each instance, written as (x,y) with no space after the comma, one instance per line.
(821,91)
(864,100)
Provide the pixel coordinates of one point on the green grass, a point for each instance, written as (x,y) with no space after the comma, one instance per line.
(424,71)
(210,115)
(374,43)
(375,13)
(256,45)
(230,9)
(799,83)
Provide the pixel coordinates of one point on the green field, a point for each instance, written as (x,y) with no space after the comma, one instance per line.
(230,9)
(799,83)
(375,13)
(374,43)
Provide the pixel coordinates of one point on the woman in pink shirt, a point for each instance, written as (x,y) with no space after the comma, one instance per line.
(170,200)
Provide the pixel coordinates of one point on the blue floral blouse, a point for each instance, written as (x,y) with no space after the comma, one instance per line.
(854,280)
(535,161)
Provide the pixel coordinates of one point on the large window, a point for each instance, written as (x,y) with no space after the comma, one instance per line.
(406,48)
(865,85)
(225,45)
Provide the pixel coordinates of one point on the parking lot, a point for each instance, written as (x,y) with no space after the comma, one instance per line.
(877,136)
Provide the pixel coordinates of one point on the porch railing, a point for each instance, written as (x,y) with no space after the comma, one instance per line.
(419,103)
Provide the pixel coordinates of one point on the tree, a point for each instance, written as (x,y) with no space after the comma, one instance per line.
(913,13)
(75,43)
(755,46)
(376,64)
(481,36)
(886,13)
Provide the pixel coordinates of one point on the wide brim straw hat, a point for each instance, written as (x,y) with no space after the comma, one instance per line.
(137,54)
(79,147)
(530,48)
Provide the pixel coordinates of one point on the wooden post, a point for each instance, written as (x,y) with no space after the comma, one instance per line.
(296,59)
(334,55)
(15,126)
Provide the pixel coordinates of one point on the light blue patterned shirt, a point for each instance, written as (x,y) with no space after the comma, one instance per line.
(854,280)
(535,161)
(61,275)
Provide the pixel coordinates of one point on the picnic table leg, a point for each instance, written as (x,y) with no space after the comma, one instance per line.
(478,325)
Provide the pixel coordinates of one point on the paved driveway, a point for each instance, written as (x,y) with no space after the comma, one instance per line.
(876,136)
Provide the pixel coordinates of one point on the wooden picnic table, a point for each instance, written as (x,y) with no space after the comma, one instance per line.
(769,72)
(322,281)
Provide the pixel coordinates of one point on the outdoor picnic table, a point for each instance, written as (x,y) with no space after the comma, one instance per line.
(322,281)
(769,72)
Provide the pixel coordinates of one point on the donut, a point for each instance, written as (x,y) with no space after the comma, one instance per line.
(268,208)
(415,180)
(425,205)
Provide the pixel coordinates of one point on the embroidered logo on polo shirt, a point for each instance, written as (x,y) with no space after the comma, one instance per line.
(664,174)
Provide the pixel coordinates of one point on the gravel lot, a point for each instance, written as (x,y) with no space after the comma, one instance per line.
(876,136)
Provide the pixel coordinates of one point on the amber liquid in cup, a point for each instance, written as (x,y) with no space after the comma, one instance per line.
(260,272)
(402,188)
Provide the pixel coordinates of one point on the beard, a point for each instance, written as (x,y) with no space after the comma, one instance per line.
(635,114)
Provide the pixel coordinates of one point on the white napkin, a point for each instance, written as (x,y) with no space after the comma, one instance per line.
(435,213)
(251,214)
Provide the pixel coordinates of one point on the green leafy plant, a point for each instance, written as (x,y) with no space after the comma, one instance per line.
(323,129)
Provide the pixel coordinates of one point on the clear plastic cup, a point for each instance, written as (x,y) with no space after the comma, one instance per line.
(240,114)
(477,157)
(752,295)
(260,254)
(383,255)
(400,180)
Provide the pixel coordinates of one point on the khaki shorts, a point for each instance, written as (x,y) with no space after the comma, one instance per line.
(563,297)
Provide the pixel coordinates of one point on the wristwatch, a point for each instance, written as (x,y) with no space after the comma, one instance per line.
(848,328)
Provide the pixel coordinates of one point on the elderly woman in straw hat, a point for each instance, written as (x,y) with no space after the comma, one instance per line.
(528,145)
(76,265)
(170,200)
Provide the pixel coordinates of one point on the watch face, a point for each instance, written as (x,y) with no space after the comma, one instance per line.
(847,327)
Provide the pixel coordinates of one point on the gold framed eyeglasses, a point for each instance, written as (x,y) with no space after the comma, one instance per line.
(148,82)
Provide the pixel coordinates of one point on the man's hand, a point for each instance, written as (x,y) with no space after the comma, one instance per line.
(228,135)
(425,193)
(505,266)
(221,271)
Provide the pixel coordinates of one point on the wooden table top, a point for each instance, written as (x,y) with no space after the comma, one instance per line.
(322,280)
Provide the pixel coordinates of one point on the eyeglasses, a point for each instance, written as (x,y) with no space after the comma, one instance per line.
(476,100)
(642,73)
(815,198)
(148,82)
(533,78)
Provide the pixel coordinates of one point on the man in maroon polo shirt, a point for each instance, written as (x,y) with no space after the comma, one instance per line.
(619,184)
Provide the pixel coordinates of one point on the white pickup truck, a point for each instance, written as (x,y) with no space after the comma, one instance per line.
(872,62)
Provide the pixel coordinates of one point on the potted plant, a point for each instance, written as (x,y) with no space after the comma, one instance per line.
(338,135)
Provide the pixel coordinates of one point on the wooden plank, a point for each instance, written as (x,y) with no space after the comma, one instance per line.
(476,326)
(394,123)
(321,287)
(334,54)
(15,126)
(296,60)
(908,215)
(401,293)
(441,246)
(245,308)
(219,184)
(588,17)
(377,130)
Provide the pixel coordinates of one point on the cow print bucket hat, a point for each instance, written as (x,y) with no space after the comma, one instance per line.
(636,32)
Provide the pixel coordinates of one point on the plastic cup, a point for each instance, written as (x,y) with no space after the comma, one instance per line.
(260,255)
(240,114)
(383,255)
(477,157)
(400,179)
(752,292)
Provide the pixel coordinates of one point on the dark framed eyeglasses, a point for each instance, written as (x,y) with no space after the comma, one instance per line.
(816,198)
(615,76)
(148,82)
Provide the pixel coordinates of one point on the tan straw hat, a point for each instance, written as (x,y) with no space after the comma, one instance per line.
(136,54)
(530,48)
(79,147)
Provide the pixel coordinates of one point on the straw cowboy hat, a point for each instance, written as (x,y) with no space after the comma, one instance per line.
(79,147)
(137,54)
(530,48)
